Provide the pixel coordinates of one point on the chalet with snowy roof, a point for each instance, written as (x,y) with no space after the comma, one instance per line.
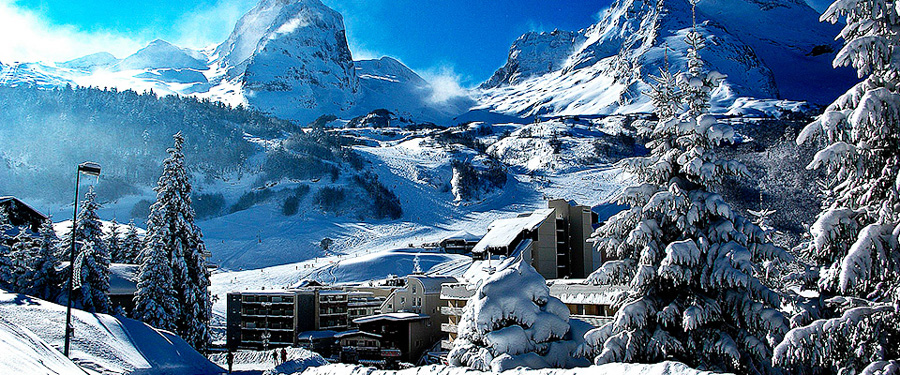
(460,242)
(21,214)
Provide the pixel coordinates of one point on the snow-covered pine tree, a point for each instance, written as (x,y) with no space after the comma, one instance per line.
(92,279)
(171,223)
(7,272)
(155,302)
(855,237)
(89,228)
(512,321)
(691,261)
(21,258)
(114,243)
(44,282)
(131,245)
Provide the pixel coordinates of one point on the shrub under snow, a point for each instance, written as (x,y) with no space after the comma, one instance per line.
(512,321)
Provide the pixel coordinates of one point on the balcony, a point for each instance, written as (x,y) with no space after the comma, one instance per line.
(268,329)
(448,328)
(456,311)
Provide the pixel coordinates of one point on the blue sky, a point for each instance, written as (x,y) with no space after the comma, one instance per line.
(466,40)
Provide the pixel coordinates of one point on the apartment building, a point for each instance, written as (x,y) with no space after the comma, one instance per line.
(553,240)
(265,319)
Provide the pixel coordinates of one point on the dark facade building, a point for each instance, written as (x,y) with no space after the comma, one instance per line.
(265,319)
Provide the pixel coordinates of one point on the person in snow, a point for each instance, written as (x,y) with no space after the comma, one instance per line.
(283,355)
(275,356)
(230,359)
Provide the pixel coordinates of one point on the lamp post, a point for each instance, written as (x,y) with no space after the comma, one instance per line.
(91,169)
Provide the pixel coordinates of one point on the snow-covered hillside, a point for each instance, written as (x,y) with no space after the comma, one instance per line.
(775,49)
(102,344)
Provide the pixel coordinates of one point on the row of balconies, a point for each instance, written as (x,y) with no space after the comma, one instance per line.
(261,299)
(447,310)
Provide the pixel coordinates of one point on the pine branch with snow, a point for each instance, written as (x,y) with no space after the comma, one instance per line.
(855,238)
(91,275)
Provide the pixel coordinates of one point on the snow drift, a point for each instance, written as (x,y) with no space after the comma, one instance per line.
(101,343)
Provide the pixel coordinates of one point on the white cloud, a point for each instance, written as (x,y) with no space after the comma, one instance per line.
(28,37)
(209,26)
(446,84)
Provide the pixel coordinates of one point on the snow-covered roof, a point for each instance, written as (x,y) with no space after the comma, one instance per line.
(393,317)
(583,294)
(316,335)
(122,278)
(503,232)
(432,284)
(354,333)
(462,235)
(332,292)
(19,201)
(479,270)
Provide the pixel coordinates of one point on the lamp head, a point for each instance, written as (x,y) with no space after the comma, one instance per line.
(89,168)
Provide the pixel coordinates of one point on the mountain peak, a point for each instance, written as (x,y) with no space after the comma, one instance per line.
(270,18)
(92,61)
(160,54)
(763,46)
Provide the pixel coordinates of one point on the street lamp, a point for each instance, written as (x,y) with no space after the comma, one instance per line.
(90,169)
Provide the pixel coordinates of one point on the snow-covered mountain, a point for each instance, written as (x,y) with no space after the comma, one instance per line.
(291,58)
(286,57)
(770,49)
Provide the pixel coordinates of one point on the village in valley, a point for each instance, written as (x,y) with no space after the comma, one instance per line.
(673,187)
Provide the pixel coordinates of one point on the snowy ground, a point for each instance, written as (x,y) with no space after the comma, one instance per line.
(664,368)
(102,344)
(248,362)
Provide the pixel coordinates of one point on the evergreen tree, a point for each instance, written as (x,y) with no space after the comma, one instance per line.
(855,237)
(155,301)
(114,243)
(691,261)
(89,228)
(45,279)
(171,227)
(7,273)
(664,92)
(21,259)
(131,245)
(91,273)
